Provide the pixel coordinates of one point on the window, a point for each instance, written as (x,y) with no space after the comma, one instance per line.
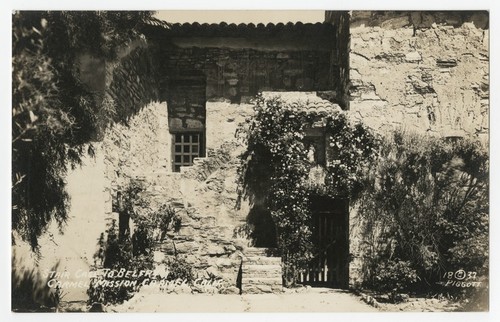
(186,147)
(314,142)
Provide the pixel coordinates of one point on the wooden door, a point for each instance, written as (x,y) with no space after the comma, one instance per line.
(329,266)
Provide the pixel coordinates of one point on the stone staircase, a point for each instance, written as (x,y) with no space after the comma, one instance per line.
(202,167)
(207,243)
(261,273)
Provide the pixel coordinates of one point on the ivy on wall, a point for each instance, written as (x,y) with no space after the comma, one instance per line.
(356,149)
(276,166)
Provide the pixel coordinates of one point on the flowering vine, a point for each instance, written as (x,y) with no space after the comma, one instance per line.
(275,169)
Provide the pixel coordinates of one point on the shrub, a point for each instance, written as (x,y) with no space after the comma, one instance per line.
(394,276)
(56,117)
(164,219)
(121,253)
(178,268)
(426,203)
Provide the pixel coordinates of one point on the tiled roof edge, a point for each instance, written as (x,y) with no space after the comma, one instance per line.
(225,26)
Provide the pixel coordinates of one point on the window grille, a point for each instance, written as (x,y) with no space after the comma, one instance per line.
(186,147)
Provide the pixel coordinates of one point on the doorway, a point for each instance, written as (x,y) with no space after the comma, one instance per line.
(329,266)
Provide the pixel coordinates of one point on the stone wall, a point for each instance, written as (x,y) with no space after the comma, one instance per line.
(421,72)
(222,121)
(132,79)
(140,148)
(211,63)
(203,195)
(341,19)
(186,104)
(208,238)
(239,74)
(417,19)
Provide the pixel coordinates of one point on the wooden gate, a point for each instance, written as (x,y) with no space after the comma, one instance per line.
(329,266)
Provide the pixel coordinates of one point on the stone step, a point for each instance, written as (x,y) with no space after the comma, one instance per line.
(246,281)
(260,289)
(261,260)
(250,269)
(254,271)
(258,251)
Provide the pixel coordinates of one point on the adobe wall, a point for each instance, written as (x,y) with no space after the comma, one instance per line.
(424,72)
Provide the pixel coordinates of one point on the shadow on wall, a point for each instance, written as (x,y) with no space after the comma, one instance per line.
(263,233)
(30,291)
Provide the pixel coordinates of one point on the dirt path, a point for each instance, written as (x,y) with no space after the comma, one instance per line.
(315,300)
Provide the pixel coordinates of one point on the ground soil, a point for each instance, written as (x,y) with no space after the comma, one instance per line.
(303,299)
(311,300)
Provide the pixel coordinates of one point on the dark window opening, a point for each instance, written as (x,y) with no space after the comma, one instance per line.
(187,147)
(315,147)
(123,217)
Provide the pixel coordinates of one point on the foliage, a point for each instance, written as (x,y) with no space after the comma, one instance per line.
(164,219)
(476,300)
(178,268)
(422,201)
(120,253)
(153,222)
(426,203)
(275,168)
(130,201)
(135,252)
(394,276)
(355,149)
(55,117)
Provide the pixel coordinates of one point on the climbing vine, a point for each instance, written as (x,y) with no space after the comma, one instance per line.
(276,166)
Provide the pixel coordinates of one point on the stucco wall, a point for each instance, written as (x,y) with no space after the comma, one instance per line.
(71,250)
